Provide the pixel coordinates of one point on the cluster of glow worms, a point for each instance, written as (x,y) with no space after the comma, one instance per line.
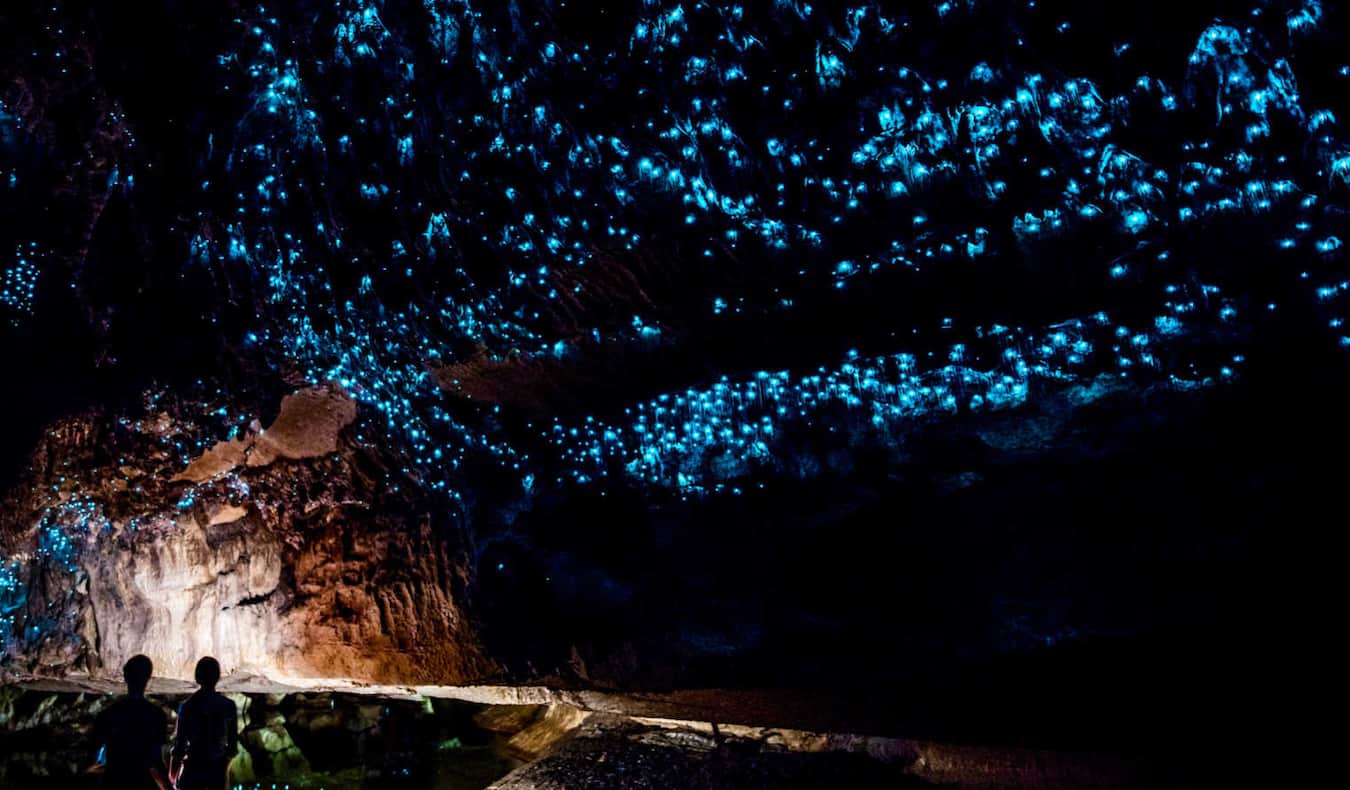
(61,532)
(703,439)
(18,282)
(19,273)
(12,597)
(402,188)
(541,183)
(63,525)
(70,517)
(405,185)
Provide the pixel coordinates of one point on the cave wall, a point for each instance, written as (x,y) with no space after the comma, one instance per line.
(302,568)
(976,346)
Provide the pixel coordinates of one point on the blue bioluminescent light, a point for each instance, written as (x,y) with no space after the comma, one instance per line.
(406,196)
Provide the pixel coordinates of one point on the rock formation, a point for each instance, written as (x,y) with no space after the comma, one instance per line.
(969,364)
(284,563)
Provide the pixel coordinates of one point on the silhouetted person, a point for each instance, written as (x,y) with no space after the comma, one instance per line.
(131,733)
(207,736)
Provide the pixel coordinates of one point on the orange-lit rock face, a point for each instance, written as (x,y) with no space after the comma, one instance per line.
(378,607)
(288,559)
(326,602)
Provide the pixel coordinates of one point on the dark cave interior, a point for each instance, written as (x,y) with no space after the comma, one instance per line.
(961,371)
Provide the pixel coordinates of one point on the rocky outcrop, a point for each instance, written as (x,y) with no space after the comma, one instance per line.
(683,754)
(187,589)
(307,427)
(553,724)
(286,554)
(979,362)
(273,743)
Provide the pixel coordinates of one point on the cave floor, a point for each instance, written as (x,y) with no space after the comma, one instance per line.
(550,738)
(609,752)
(613,752)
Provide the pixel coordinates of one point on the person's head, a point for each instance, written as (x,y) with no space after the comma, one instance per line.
(208,672)
(136,672)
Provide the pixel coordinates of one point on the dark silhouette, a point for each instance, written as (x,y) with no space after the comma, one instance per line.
(207,736)
(131,733)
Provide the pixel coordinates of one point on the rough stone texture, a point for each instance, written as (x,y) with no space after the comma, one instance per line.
(1111,529)
(304,566)
(307,427)
(179,593)
(225,514)
(539,736)
(221,458)
(608,752)
(338,574)
(508,718)
(272,742)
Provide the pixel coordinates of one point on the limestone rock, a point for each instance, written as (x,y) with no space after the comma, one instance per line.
(241,768)
(302,571)
(509,719)
(225,514)
(307,427)
(556,723)
(220,459)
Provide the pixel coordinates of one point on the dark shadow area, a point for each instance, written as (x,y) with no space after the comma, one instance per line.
(333,741)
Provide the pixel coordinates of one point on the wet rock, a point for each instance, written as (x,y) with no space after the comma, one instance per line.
(610,753)
(242,770)
(508,719)
(272,746)
(292,739)
(555,724)
(268,753)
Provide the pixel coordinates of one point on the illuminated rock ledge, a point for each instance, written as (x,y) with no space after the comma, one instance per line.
(655,737)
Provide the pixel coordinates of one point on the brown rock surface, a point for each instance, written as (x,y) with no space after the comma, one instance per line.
(289,557)
(221,458)
(307,427)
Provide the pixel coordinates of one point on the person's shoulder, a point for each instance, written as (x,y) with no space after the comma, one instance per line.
(221,701)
